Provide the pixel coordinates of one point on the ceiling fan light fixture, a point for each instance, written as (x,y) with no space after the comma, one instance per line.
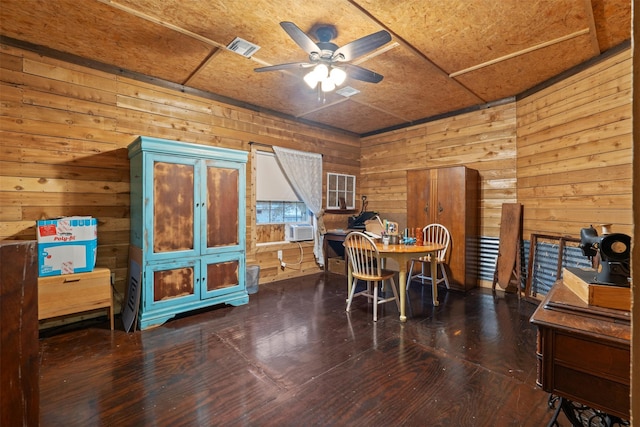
(319,74)
(322,71)
(328,85)
(338,76)
(328,78)
(311,80)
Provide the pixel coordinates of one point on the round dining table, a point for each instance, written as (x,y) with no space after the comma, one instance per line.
(402,254)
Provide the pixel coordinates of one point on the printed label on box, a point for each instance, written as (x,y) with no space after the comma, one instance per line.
(68,229)
(47,230)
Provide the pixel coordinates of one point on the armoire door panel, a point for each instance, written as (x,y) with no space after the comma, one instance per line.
(451,213)
(450,208)
(173,283)
(222,206)
(223,275)
(173,201)
(418,195)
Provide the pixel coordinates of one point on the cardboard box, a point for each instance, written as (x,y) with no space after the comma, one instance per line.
(578,280)
(66,245)
(337,265)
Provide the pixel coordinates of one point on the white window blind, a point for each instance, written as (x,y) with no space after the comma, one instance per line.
(272,184)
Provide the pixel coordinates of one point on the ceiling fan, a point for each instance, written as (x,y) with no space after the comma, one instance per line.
(330,63)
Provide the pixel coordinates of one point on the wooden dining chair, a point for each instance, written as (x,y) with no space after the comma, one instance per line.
(366,265)
(434,233)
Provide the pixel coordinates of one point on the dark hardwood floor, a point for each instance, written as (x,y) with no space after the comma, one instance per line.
(294,357)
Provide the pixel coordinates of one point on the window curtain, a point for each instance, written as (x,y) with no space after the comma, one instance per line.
(304,172)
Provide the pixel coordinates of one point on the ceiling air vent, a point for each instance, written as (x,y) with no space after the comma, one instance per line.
(243,47)
(347,91)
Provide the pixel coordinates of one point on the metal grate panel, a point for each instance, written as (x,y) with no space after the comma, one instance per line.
(545,262)
(485,251)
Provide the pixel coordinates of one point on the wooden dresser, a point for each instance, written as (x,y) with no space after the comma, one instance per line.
(584,352)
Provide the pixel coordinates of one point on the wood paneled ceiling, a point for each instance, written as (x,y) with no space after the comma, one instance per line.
(444,56)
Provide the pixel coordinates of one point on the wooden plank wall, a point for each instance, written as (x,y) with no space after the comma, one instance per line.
(65,130)
(574,152)
(565,153)
(484,140)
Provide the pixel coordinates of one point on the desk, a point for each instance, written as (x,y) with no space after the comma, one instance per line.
(332,246)
(403,254)
(583,353)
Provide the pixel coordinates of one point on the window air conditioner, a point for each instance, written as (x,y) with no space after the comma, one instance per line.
(298,232)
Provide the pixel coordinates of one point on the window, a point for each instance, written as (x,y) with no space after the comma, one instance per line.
(341,191)
(276,202)
(269,212)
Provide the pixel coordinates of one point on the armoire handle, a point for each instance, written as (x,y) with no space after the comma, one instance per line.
(440,208)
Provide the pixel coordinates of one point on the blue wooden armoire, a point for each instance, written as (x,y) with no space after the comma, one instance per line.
(188,225)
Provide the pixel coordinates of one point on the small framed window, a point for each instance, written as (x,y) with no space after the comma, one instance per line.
(341,191)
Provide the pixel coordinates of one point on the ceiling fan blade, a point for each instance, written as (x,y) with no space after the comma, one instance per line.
(362,74)
(363,45)
(288,66)
(298,36)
